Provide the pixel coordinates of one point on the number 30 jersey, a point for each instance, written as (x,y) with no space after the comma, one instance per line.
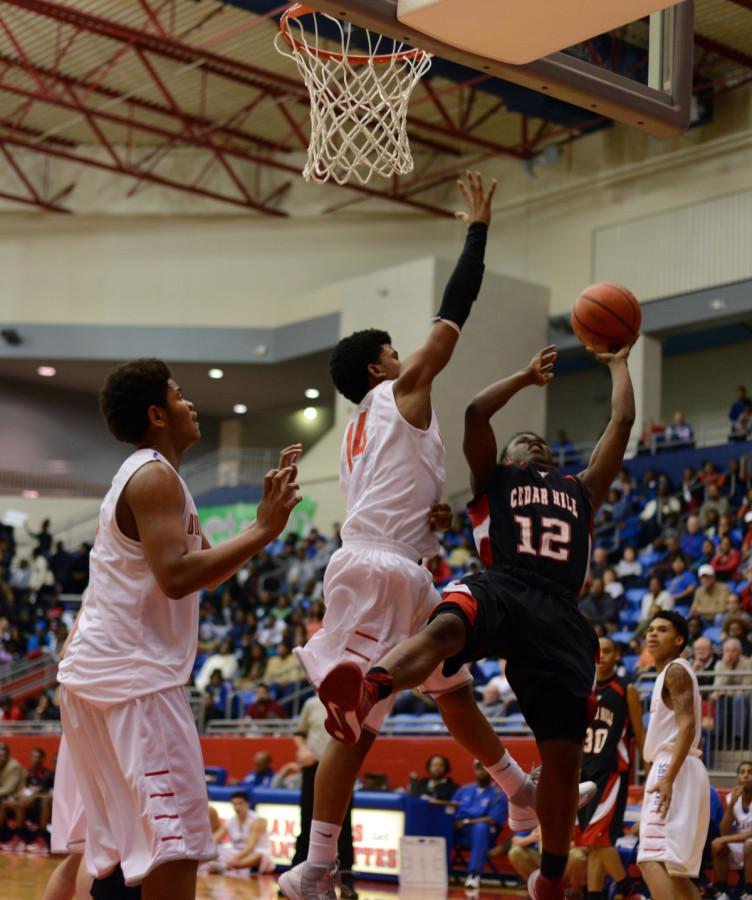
(391,473)
(536,522)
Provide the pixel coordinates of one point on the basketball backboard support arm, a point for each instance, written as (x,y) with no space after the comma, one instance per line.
(659,112)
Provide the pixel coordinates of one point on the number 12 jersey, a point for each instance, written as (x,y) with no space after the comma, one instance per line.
(536,522)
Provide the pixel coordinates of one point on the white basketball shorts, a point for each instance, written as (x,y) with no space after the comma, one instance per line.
(376,597)
(68,828)
(139,769)
(679,839)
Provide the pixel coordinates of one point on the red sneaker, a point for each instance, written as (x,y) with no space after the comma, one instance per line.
(541,888)
(348,699)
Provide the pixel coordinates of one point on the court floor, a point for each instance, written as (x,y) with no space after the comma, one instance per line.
(23,877)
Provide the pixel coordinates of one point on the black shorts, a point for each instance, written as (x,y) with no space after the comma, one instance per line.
(549,646)
(611,802)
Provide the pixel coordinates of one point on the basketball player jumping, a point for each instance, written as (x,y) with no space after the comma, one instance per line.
(392,470)
(605,761)
(676,806)
(133,743)
(533,530)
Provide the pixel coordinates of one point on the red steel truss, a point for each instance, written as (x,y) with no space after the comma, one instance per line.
(233,146)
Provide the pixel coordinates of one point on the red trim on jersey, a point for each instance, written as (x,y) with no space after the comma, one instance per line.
(480,514)
(368,636)
(178,837)
(466,602)
(166,794)
(350,650)
(165,816)
(160,772)
(348,444)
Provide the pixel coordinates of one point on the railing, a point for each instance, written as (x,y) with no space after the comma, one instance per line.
(726,720)
(28,676)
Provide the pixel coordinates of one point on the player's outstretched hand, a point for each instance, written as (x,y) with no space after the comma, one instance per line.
(664,788)
(281,495)
(440,517)
(610,358)
(290,456)
(477,198)
(541,366)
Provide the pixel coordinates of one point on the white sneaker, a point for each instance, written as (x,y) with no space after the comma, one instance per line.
(746,896)
(523,817)
(309,882)
(472,882)
(722,895)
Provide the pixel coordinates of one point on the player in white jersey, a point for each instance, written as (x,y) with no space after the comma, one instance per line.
(377,594)
(134,747)
(676,807)
(249,845)
(733,849)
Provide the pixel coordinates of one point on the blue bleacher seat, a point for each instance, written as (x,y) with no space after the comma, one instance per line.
(634,596)
(621,637)
(683,610)
(713,634)
(629,617)
(648,558)
(489,668)
(630,663)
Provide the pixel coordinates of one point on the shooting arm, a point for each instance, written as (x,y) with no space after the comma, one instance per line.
(608,455)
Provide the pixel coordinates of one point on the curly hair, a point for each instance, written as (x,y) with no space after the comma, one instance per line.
(127,395)
(350,359)
(678,622)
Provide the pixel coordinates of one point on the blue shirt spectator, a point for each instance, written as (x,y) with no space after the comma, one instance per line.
(481,814)
(682,585)
(679,431)
(738,405)
(262,774)
(691,542)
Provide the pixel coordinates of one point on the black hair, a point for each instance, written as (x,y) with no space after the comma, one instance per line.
(350,359)
(240,795)
(503,456)
(680,624)
(744,762)
(127,395)
(444,759)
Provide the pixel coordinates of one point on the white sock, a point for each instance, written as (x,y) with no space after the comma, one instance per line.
(322,849)
(512,780)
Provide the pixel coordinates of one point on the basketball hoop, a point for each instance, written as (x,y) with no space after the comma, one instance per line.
(358,100)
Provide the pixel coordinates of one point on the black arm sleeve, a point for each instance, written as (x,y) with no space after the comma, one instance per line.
(464,284)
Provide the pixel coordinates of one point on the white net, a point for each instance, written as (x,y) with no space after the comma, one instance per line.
(359,99)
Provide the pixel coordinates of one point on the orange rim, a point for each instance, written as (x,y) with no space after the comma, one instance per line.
(358,59)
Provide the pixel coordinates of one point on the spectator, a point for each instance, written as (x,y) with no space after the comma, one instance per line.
(264,707)
(655,596)
(42,537)
(680,431)
(216,695)
(271,631)
(492,705)
(223,660)
(437,786)
(732,671)
(614,588)
(289,777)
(12,775)
(706,557)
(60,563)
(652,434)
(736,627)
(461,554)
(599,562)
(20,579)
(691,542)
(562,448)
(315,619)
(9,711)
(726,561)
(692,489)
(741,428)
(703,661)
(601,609)
(629,569)
(711,598)
(502,685)
(262,773)
(734,610)
(481,813)
(413,702)
(78,571)
(738,405)
(44,710)
(682,585)
(714,500)
(252,665)
(24,807)
(284,669)
(524,856)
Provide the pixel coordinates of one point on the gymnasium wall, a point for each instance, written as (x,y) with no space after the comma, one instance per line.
(702,384)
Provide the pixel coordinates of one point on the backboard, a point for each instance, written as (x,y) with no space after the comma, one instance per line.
(658,101)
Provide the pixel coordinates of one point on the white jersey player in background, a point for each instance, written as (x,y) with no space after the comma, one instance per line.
(733,849)
(376,592)
(676,807)
(248,844)
(134,749)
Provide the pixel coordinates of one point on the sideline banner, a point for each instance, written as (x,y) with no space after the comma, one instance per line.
(219,523)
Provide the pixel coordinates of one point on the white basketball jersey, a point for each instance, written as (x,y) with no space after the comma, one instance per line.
(238,834)
(742,816)
(663,727)
(391,473)
(132,639)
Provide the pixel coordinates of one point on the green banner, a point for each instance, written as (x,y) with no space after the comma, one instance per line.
(222,522)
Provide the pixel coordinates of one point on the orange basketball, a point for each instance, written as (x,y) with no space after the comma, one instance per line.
(606,317)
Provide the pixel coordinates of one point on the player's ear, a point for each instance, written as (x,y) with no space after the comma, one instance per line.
(157,416)
(376,371)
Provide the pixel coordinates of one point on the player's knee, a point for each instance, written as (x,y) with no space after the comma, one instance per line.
(719,847)
(747,851)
